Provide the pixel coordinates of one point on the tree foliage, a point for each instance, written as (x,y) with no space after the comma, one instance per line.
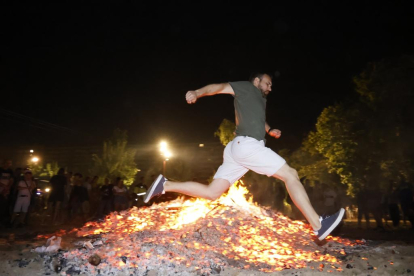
(117,160)
(226,131)
(311,166)
(368,142)
(179,170)
(335,139)
(48,170)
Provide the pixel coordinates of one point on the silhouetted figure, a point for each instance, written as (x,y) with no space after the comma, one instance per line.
(330,200)
(406,201)
(120,195)
(94,195)
(57,194)
(24,194)
(393,208)
(86,206)
(107,197)
(362,204)
(137,192)
(17,175)
(6,182)
(374,200)
(68,190)
(77,197)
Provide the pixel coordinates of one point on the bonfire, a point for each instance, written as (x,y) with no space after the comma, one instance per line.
(197,236)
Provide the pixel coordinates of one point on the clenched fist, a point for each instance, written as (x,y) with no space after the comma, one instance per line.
(275,133)
(191,97)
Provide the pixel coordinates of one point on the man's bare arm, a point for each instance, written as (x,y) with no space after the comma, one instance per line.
(209,90)
(267,127)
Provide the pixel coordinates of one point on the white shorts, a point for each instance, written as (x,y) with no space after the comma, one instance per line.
(22,204)
(245,153)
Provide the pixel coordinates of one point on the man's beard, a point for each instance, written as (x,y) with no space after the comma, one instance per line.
(264,94)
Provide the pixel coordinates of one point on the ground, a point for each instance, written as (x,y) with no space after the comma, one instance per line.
(389,252)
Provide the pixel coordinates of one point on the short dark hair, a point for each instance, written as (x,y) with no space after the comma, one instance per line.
(78,174)
(258,75)
(61,171)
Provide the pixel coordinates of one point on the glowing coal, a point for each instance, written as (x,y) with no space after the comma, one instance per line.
(204,237)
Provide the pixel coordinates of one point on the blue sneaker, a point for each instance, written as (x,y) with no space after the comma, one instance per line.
(328,224)
(156,188)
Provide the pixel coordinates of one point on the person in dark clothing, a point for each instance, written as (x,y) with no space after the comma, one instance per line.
(136,193)
(94,196)
(120,195)
(17,177)
(375,206)
(85,202)
(6,182)
(57,194)
(77,196)
(362,207)
(107,196)
(393,208)
(65,204)
(406,201)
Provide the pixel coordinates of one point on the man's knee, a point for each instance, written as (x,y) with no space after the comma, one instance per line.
(292,173)
(287,173)
(217,188)
(213,195)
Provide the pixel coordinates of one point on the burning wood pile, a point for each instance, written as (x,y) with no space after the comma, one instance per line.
(200,237)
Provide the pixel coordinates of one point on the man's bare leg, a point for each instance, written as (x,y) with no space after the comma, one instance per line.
(212,191)
(298,194)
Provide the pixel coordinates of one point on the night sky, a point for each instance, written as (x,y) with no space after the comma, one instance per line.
(73,72)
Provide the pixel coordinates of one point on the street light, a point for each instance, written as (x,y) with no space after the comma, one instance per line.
(163,146)
(35,159)
(166,153)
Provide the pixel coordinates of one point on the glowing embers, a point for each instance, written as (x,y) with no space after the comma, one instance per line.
(199,233)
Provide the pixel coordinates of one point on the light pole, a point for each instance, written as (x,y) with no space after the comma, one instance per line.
(164,164)
(166,153)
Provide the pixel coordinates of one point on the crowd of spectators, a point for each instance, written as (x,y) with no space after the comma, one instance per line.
(73,197)
(69,197)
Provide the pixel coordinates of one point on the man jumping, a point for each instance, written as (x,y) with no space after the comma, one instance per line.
(247,152)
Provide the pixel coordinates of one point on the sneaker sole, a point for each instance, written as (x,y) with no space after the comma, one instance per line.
(333,226)
(152,188)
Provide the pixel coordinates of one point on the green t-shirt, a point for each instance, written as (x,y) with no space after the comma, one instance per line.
(250,108)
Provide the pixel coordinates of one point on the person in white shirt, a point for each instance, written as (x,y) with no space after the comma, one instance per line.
(24,188)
